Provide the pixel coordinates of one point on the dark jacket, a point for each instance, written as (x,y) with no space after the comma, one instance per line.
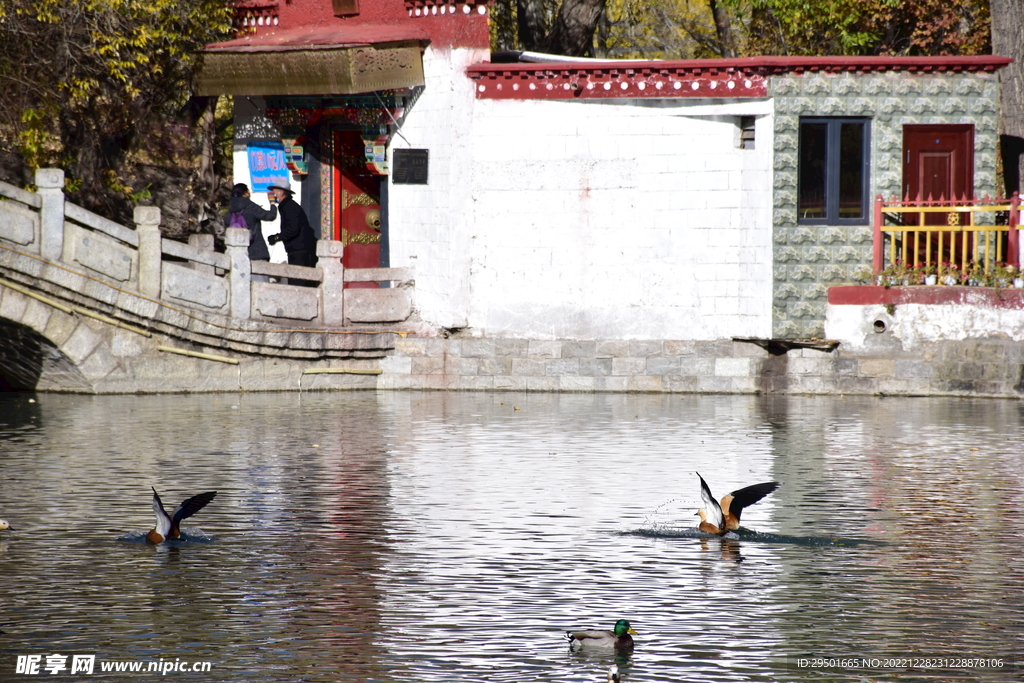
(296,232)
(253,214)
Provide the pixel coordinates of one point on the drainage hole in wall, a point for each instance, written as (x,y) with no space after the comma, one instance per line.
(879,326)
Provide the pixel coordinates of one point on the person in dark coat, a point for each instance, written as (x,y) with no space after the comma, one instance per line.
(253,214)
(296,233)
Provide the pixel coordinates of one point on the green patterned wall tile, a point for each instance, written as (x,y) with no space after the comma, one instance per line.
(908,87)
(846,84)
(816,255)
(785,197)
(801,273)
(816,291)
(833,274)
(803,235)
(922,106)
(787,255)
(951,105)
(809,259)
(937,85)
(783,217)
(784,291)
(877,85)
(816,85)
(833,235)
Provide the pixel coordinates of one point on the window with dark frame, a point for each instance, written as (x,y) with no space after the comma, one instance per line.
(834,156)
(747,140)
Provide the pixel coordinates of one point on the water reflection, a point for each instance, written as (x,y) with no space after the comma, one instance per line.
(441,537)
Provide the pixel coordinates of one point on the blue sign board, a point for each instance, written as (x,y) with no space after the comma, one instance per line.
(267,165)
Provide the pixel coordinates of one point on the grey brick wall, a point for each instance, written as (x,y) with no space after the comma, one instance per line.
(970,367)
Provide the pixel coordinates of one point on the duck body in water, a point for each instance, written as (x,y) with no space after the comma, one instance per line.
(618,639)
(167,526)
(722,517)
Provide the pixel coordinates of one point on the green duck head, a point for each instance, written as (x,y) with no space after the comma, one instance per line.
(622,627)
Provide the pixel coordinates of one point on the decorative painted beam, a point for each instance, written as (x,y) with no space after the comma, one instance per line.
(708,78)
(605,83)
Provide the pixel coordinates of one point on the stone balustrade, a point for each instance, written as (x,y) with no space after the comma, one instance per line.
(44,225)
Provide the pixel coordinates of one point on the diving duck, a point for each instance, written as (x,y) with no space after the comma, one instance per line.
(4,525)
(167,525)
(721,518)
(618,638)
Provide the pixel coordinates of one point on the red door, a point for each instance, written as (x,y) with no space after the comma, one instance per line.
(938,165)
(357,205)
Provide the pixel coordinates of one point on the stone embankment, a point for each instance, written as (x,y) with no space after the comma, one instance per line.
(990,367)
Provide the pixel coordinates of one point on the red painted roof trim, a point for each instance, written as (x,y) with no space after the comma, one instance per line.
(935,295)
(322,38)
(769,64)
(607,80)
(719,78)
(450,4)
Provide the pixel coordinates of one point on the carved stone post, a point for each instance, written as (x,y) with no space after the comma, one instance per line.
(236,244)
(332,290)
(50,182)
(147,225)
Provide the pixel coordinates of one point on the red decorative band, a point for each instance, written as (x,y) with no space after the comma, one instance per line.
(920,294)
(568,84)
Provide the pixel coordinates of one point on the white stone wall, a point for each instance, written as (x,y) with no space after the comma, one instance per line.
(913,326)
(430,225)
(586,220)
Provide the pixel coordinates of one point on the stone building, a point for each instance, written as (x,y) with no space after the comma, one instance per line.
(561,199)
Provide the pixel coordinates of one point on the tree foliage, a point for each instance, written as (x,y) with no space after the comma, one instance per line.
(670,29)
(88,83)
(869,27)
(682,29)
(565,28)
(626,29)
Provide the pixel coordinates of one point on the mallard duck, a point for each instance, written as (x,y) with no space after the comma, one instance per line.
(721,518)
(167,525)
(4,525)
(618,638)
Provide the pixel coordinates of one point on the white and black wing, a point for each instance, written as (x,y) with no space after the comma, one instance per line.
(712,509)
(191,506)
(734,503)
(163,521)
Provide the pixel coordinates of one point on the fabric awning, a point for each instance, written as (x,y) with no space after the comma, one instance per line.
(341,71)
(312,62)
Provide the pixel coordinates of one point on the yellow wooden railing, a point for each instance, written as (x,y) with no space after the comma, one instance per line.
(903,235)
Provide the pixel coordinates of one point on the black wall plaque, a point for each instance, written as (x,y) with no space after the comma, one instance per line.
(409,167)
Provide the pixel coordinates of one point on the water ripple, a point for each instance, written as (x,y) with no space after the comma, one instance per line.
(434,537)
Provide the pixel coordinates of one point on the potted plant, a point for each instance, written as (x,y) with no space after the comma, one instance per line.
(1005,275)
(1010,275)
(974,275)
(894,275)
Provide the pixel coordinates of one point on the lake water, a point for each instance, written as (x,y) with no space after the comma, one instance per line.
(436,537)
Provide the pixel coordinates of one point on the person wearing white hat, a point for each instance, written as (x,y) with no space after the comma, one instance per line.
(296,233)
